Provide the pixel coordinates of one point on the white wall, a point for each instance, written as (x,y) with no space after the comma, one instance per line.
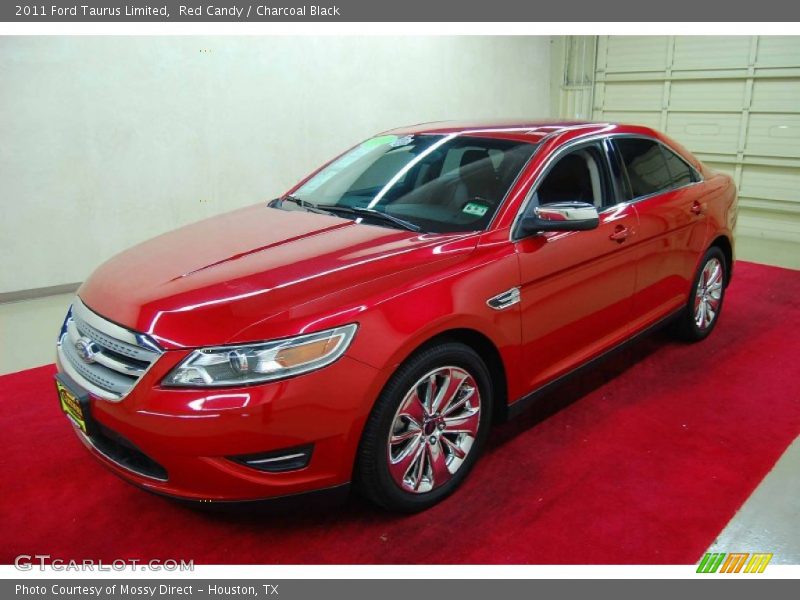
(106,141)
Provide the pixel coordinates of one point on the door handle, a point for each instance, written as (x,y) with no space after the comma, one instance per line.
(620,234)
(697,208)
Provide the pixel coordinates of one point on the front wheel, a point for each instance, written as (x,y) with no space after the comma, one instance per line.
(426,429)
(704,306)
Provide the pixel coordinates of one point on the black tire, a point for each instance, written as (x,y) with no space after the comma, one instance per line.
(372,476)
(686,326)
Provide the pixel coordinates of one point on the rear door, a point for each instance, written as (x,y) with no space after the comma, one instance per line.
(577,286)
(672,224)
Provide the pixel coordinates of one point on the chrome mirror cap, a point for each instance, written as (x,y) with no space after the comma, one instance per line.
(567,211)
(560,216)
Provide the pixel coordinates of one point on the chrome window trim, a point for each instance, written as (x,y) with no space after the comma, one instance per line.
(571,145)
(697,174)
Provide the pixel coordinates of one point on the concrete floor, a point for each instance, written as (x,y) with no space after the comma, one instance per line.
(769,252)
(770,519)
(768,522)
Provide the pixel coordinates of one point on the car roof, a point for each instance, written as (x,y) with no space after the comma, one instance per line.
(533,130)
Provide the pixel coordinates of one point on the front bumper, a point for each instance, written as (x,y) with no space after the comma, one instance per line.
(191,433)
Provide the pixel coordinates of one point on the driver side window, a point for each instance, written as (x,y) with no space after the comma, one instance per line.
(577,177)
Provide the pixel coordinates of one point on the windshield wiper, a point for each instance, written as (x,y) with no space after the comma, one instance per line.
(370,212)
(304,204)
(350,210)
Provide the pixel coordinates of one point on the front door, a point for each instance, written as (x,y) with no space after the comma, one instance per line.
(577,287)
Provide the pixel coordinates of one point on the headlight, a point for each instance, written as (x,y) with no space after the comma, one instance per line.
(254,363)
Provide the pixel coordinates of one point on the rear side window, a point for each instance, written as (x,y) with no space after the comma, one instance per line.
(646,166)
(680,173)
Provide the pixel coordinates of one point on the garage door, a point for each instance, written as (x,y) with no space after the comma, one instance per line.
(734,101)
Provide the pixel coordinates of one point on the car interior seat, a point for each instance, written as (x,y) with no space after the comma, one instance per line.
(477,179)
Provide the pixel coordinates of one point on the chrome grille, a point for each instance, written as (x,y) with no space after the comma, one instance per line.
(104,358)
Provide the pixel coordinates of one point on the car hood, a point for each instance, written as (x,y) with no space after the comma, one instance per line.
(205,283)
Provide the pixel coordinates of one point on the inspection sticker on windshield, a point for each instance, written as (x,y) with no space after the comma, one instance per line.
(473,208)
(402,141)
(379,141)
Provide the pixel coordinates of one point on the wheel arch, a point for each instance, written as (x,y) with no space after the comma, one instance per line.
(724,244)
(489,353)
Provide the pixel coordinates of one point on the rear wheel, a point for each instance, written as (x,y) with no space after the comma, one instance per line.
(703,308)
(426,430)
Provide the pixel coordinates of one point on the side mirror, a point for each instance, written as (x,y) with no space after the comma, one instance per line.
(560,216)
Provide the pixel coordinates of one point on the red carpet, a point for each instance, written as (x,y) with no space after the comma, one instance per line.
(647,460)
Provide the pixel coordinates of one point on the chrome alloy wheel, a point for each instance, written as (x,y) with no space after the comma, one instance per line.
(433,429)
(708,294)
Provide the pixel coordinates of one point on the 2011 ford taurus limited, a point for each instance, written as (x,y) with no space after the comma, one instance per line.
(372,323)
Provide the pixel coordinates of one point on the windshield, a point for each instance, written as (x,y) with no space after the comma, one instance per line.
(437,183)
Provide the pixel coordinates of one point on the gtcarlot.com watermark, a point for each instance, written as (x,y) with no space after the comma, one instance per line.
(43,562)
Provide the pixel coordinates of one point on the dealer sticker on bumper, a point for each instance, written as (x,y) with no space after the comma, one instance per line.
(71,406)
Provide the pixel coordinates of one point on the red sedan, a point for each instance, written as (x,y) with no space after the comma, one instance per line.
(370,325)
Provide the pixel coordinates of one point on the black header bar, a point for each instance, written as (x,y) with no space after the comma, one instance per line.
(399,11)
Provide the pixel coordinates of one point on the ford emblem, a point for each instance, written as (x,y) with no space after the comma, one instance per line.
(86,349)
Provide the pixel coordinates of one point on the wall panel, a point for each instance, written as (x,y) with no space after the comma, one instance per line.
(733,100)
(107,141)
